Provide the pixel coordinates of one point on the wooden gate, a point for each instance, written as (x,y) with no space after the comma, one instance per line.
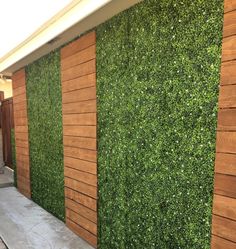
(7,124)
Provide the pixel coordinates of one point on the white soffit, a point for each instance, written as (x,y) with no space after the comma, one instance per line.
(75,19)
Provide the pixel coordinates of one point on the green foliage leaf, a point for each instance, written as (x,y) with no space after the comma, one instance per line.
(157,79)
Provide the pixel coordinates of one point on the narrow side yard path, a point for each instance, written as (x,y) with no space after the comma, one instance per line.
(25,225)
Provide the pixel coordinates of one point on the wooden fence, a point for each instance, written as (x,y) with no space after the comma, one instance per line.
(7,123)
(224,204)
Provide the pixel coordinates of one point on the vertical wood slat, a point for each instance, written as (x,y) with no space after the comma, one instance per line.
(78,75)
(21,132)
(224,201)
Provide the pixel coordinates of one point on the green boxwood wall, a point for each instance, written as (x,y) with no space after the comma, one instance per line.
(45,133)
(157,77)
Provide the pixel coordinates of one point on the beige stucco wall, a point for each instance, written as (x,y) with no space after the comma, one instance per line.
(6,87)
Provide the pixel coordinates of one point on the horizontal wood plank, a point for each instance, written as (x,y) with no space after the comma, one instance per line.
(225,185)
(226,120)
(83,154)
(80,107)
(83,222)
(81,210)
(228,73)
(80,142)
(78,45)
(227,96)
(226,142)
(79,83)
(224,228)
(21,129)
(82,56)
(83,233)
(82,199)
(229,48)
(79,95)
(225,164)
(225,206)
(81,187)
(79,70)
(81,176)
(89,167)
(81,131)
(220,243)
(229,23)
(80,119)
(19,90)
(229,5)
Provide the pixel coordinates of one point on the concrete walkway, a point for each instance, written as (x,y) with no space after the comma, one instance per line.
(25,225)
(6,179)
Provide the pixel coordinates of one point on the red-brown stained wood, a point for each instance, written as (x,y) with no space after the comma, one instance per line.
(229,48)
(83,154)
(79,70)
(80,142)
(226,120)
(80,57)
(226,142)
(89,167)
(79,83)
(79,107)
(225,164)
(227,96)
(21,132)
(229,5)
(82,210)
(219,243)
(224,228)
(78,45)
(80,119)
(79,95)
(82,199)
(83,233)
(229,23)
(225,206)
(83,222)
(21,129)
(81,176)
(228,73)
(81,131)
(225,185)
(81,187)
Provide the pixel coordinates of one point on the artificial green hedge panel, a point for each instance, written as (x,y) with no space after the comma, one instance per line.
(13,149)
(157,79)
(45,133)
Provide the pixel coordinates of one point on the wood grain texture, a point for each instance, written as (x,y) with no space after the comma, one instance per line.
(225,206)
(224,228)
(225,164)
(220,243)
(229,5)
(79,108)
(226,142)
(83,233)
(80,130)
(79,83)
(224,202)
(226,120)
(229,24)
(227,96)
(21,132)
(225,185)
(229,48)
(228,73)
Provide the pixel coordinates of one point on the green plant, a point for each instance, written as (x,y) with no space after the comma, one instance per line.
(45,133)
(13,148)
(157,79)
